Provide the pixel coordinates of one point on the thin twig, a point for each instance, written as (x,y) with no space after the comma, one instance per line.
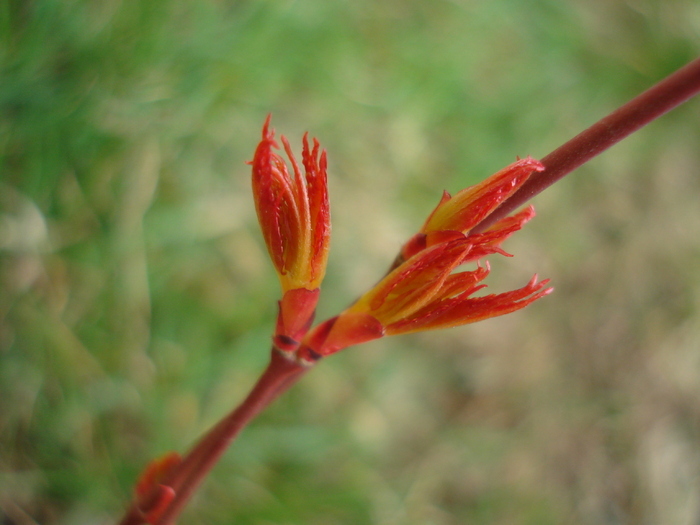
(640,111)
(282,373)
(278,377)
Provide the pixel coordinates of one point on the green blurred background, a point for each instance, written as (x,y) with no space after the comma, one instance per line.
(137,300)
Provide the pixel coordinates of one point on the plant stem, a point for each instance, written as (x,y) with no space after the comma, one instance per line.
(280,374)
(640,111)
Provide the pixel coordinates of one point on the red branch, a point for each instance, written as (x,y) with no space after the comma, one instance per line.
(282,373)
(640,111)
(279,376)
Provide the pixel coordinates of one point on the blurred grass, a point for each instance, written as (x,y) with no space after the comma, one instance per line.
(137,299)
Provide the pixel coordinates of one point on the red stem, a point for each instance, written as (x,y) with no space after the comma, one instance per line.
(279,376)
(640,111)
(282,373)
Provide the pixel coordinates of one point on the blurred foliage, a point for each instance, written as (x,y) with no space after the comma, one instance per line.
(137,301)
